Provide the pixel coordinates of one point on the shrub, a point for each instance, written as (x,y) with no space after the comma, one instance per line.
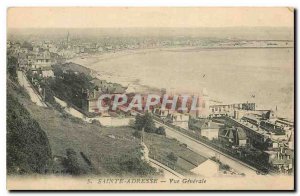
(28,149)
(145,122)
(137,134)
(161,131)
(172,157)
(71,163)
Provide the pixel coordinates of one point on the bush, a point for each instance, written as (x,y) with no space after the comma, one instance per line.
(71,163)
(12,64)
(96,122)
(172,157)
(28,149)
(161,131)
(183,145)
(225,167)
(145,122)
(137,134)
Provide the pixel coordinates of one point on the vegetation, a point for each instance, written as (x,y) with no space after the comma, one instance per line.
(69,86)
(192,124)
(95,152)
(164,150)
(82,148)
(28,149)
(132,165)
(172,157)
(12,63)
(221,165)
(71,163)
(161,131)
(146,121)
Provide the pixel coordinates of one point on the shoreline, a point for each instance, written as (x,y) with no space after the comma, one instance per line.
(91,60)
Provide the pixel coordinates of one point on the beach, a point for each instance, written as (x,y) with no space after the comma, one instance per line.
(229,75)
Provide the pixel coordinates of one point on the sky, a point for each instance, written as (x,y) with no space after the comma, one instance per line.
(122,17)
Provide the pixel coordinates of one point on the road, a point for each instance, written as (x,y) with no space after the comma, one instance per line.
(34,97)
(208,151)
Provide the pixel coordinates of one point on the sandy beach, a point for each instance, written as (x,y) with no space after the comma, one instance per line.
(229,75)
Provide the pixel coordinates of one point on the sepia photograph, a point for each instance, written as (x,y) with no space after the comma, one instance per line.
(150,98)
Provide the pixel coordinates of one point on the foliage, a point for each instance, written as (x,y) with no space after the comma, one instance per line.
(192,124)
(172,157)
(68,86)
(12,64)
(96,122)
(145,122)
(71,163)
(137,134)
(225,167)
(28,149)
(131,165)
(161,131)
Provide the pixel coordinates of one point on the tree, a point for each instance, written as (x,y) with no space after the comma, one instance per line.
(12,64)
(71,163)
(145,122)
(172,157)
(161,131)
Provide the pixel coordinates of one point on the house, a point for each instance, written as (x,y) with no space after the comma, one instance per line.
(90,103)
(22,61)
(42,60)
(281,158)
(179,119)
(208,168)
(210,130)
(47,72)
(233,136)
(205,127)
(161,113)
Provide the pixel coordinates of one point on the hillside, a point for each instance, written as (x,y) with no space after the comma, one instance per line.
(28,149)
(89,148)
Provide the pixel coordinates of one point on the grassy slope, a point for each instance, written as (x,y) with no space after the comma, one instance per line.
(161,146)
(105,153)
(28,149)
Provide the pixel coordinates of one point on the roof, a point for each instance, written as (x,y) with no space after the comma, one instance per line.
(241,133)
(210,125)
(227,133)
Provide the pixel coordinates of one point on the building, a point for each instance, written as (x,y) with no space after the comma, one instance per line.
(210,130)
(281,159)
(237,110)
(43,59)
(161,113)
(178,119)
(47,72)
(234,136)
(22,61)
(202,104)
(257,137)
(90,103)
(268,125)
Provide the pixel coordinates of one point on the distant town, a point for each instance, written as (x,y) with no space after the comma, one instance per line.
(258,140)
